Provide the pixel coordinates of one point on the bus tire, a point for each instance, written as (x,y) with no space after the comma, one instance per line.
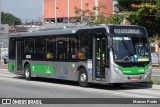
(83,78)
(27,72)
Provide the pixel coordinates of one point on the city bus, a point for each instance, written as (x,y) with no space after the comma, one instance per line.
(103,54)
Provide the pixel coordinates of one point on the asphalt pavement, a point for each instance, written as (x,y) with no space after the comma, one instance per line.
(15,86)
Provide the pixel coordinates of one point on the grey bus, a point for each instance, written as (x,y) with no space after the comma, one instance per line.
(99,54)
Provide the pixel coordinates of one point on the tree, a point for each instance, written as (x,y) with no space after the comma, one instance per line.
(113,19)
(89,16)
(85,16)
(146,16)
(7,18)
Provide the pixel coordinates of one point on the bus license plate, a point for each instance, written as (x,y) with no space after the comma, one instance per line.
(134,78)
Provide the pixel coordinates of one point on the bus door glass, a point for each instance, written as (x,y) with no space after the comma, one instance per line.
(100,56)
(19,55)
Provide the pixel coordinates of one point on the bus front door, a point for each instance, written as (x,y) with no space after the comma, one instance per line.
(99,59)
(19,56)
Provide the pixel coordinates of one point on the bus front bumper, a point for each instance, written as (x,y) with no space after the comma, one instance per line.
(118,78)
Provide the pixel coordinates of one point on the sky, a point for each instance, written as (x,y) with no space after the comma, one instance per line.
(23,9)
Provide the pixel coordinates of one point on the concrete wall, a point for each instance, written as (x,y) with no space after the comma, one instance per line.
(62,7)
(49,6)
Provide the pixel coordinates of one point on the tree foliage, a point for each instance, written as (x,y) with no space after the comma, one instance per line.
(113,19)
(85,16)
(145,15)
(7,18)
(89,16)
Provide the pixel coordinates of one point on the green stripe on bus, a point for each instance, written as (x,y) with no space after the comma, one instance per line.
(11,66)
(42,69)
(133,70)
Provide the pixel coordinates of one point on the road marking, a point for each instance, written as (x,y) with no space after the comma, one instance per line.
(155,75)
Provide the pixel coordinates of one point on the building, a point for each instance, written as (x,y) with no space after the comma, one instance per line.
(61,11)
(4,32)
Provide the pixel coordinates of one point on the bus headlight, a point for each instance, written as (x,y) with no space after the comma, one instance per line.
(117,70)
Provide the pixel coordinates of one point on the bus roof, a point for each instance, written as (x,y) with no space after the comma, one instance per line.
(98,29)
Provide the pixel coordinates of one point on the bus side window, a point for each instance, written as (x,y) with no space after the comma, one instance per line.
(40,44)
(51,48)
(49,55)
(72,47)
(62,48)
(12,48)
(86,46)
(28,47)
(80,54)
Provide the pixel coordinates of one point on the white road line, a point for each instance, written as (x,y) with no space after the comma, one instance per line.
(156,75)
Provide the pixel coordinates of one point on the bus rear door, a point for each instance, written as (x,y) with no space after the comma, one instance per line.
(19,48)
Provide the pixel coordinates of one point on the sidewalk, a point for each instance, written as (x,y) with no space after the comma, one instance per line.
(3,66)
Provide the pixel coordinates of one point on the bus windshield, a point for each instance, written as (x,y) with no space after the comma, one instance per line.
(130,49)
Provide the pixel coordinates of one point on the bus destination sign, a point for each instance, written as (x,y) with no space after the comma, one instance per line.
(127,31)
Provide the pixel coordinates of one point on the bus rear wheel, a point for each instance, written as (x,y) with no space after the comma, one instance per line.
(27,72)
(83,78)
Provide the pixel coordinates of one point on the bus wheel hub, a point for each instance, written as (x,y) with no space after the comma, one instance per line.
(83,77)
(27,73)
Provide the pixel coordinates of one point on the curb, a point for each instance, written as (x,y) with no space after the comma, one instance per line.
(3,69)
(148,85)
(156,87)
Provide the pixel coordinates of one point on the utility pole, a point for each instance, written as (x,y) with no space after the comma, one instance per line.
(96,4)
(43,13)
(81,9)
(68,11)
(55,4)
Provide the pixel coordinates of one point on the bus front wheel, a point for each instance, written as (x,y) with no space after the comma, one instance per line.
(27,72)
(83,78)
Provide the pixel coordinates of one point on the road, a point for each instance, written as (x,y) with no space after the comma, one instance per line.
(156,72)
(14,86)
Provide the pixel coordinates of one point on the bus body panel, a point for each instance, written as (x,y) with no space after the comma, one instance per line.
(12,66)
(57,69)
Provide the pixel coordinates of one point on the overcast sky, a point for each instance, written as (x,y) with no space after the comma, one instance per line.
(24,9)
